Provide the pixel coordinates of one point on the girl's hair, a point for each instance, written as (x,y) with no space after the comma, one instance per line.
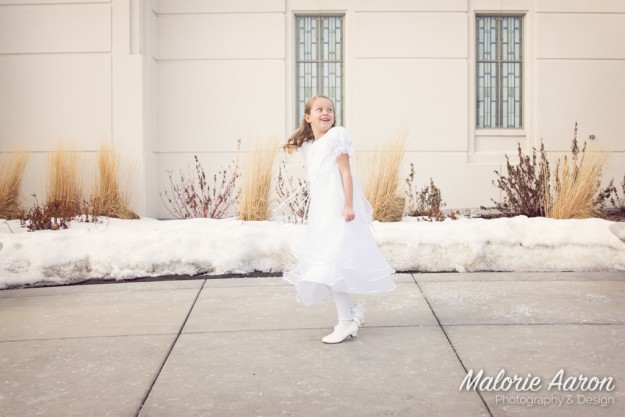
(304,133)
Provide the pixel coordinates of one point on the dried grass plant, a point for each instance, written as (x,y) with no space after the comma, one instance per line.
(575,185)
(381,186)
(63,178)
(110,199)
(257,174)
(11,175)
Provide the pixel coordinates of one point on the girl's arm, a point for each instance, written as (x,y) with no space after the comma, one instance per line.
(348,186)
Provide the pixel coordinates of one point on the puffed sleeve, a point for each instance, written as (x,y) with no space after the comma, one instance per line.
(342,142)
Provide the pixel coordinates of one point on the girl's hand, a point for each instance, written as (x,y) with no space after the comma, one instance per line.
(348,214)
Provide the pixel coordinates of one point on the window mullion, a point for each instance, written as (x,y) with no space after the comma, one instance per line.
(319,54)
(499,72)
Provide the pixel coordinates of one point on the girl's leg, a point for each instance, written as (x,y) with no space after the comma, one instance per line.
(346,326)
(347,310)
(343,306)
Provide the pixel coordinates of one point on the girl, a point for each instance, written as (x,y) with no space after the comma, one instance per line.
(339,254)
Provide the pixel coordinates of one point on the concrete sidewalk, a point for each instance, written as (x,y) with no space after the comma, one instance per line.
(244,347)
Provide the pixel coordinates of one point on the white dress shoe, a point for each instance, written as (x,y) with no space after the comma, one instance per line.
(358,313)
(341,331)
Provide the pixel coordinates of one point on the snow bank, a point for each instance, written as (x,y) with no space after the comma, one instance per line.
(122,249)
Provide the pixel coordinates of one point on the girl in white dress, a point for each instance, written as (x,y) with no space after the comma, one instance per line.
(339,254)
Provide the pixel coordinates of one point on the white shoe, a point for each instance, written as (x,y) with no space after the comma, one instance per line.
(358,313)
(341,331)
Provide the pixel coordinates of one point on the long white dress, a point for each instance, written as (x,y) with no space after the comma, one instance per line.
(336,255)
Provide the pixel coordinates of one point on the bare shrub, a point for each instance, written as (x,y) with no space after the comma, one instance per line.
(294,194)
(53,215)
(89,212)
(524,184)
(611,194)
(192,196)
(57,215)
(427,202)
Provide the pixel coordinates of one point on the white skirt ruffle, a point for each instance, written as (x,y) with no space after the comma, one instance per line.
(337,255)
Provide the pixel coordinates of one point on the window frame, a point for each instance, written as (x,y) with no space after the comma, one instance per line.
(319,63)
(500,63)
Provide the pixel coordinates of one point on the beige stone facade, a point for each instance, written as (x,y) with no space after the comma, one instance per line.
(164,80)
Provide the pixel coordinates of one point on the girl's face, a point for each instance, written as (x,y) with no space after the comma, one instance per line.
(321,117)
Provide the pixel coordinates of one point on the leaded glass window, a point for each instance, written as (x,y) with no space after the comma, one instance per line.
(319,61)
(499,71)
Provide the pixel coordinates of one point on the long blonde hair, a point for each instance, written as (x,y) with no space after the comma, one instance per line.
(304,133)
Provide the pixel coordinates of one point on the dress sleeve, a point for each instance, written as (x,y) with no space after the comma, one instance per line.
(342,143)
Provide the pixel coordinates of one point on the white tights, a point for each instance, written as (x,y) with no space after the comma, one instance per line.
(343,306)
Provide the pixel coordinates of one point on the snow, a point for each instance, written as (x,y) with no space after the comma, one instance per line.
(126,249)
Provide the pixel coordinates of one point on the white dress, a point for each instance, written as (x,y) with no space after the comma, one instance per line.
(336,255)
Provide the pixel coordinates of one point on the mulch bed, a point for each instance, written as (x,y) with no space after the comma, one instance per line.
(612,215)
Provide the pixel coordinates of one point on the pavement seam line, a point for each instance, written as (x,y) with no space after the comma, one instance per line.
(399,326)
(536,324)
(297,329)
(70,293)
(451,344)
(108,336)
(158,374)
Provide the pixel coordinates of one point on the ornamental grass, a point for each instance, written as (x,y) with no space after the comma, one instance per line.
(257,174)
(110,198)
(64,184)
(11,176)
(576,182)
(381,185)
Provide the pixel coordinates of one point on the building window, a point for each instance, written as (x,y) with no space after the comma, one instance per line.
(499,72)
(319,61)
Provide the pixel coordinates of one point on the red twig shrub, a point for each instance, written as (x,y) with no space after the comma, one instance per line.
(427,202)
(56,215)
(191,196)
(524,184)
(611,194)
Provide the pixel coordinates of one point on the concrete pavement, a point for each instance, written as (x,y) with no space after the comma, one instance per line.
(244,347)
